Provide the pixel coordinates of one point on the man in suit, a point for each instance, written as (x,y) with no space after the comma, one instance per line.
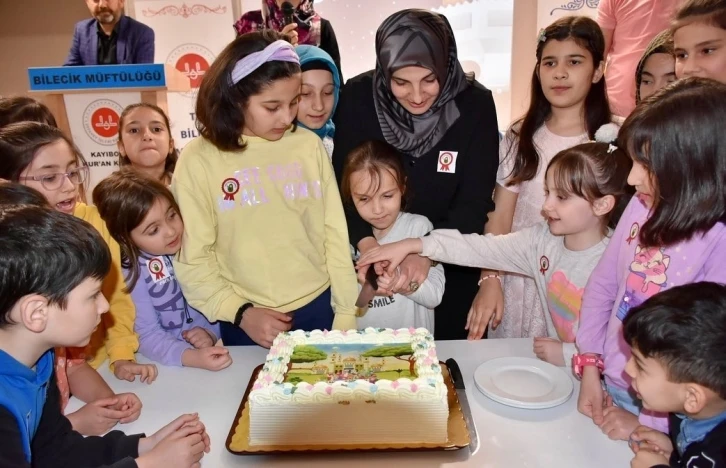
(110,37)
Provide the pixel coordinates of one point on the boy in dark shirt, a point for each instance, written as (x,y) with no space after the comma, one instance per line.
(51,268)
(678,365)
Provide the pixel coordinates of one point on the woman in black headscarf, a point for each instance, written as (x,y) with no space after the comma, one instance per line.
(444,125)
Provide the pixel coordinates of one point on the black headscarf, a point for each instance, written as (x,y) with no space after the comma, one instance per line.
(661,44)
(424,39)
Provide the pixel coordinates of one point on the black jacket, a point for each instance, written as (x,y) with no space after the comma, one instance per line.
(459,199)
(708,453)
(57,445)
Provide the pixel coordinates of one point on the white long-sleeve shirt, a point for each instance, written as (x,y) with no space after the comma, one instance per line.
(560,274)
(414,310)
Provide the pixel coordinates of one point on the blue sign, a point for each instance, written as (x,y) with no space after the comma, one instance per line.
(97,77)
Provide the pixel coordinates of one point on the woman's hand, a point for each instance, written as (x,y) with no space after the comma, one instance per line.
(290,32)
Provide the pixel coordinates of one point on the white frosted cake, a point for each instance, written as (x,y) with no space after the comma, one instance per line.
(369,386)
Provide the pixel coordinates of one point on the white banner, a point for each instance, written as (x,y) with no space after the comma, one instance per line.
(93,119)
(550,10)
(189,35)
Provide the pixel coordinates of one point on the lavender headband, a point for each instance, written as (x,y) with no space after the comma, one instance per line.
(280,51)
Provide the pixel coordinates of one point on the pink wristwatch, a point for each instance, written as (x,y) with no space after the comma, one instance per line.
(579,361)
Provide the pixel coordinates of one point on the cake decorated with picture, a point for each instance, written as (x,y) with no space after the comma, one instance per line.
(327,388)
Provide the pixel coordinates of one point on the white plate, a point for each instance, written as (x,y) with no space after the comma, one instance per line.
(523,382)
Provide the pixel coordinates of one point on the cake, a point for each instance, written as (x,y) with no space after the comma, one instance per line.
(327,388)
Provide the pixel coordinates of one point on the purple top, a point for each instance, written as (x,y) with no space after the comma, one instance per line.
(162,313)
(628,274)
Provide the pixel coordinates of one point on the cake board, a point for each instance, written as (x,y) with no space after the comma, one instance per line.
(238,438)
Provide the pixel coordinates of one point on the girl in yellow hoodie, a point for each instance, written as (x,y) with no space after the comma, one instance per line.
(42,157)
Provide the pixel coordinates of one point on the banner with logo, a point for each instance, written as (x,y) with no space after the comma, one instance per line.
(189,35)
(550,10)
(94,128)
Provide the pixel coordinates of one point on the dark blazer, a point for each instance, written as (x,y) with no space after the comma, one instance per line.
(135,43)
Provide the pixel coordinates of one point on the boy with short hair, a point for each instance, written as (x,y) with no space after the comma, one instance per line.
(51,269)
(678,365)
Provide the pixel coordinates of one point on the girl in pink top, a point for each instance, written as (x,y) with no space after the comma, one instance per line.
(671,233)
(700,39)
(629,26)
(568,106)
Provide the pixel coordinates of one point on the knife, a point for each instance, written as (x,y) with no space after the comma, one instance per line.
(458,380)
(368,291)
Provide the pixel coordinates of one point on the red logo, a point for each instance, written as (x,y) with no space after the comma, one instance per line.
(104,122)
(193,60)
(194,66)
(544,264)
(156,268)
(230,187)
(100,121)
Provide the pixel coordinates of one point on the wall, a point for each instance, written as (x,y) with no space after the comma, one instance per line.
(39,33)
(34,33)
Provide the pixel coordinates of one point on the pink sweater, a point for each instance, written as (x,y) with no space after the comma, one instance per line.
(628,274)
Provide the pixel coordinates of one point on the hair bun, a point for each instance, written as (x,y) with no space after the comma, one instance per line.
(608,133)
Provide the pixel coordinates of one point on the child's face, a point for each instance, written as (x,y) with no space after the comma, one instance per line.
(566,213)
(700,51)
(658,71)
(415,88)
(566,73)
(145,138)
(51,162)
(161,230)
(640,179)
(650,382)
(380,208)
(74,325)
(316,98)
(270,112)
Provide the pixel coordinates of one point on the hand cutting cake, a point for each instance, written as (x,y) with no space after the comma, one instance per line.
(372,386)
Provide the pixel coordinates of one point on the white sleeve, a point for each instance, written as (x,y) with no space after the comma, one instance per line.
(429,294)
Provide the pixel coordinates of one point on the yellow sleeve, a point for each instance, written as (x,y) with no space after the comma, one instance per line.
(121,341)
(343,282)
(196,264)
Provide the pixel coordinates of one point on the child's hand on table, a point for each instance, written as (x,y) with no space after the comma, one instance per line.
(128,370)
(97,417)
(549,350)
(214,358)
(648,459)
(199,337)
(618,424)
(179,444)
(130,404)
(591,399)
(646,438)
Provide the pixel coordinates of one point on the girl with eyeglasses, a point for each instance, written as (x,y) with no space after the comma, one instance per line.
(42,157)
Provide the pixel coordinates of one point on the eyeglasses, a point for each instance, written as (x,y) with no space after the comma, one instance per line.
(55,181)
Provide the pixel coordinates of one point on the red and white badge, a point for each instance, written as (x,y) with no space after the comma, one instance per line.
(157,269)
(447,161)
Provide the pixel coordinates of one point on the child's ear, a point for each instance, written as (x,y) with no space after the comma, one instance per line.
(696,398)
(603,205)
(599,72)
(33,312)
(120,145)
(171,145)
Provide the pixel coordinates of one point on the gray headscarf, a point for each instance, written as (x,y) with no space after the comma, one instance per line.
(425,39)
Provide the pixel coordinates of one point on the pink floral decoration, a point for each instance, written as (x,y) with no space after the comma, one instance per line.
(394,385)
(414,387)
(328,390)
